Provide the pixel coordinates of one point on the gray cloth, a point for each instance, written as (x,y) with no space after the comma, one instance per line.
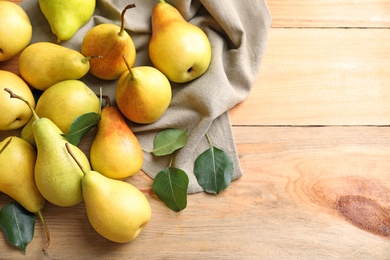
(238,32)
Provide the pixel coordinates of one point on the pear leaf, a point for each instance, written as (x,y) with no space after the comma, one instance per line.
(80,126)
(17,224)
(171,185)
(168,141)
(213,170)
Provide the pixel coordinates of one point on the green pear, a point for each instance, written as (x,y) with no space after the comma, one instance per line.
(143,94)
(67,17)
(15,30)
(14,113)
(57,176)
(43,64)
(109,42)
(17,162)
(116,209)
(73,95)
(115,151)
(179,49)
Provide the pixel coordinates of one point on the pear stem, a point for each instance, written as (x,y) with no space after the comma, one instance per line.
(105,97)
(86,59)
(128,67)
(5,146)
(208,139)
(123,18)
(13,95)
(171,161)
(47,232)
(108,101)
(100,99)
(75,159)
(146,151)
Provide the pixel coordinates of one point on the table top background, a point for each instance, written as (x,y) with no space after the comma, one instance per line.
(313,139)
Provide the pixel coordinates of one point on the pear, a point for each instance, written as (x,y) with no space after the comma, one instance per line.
(143,94)
(43,64)
(15,30)
(67,17)
(179,49)
(14,114)
(109,42)
(73,95)
(116,209)
(17,161)
(57,176)
(115,151)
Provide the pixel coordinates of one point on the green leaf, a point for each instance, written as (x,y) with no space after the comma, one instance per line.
(171,185)
(213,170)
(80,126)
(17,224)
(169,140)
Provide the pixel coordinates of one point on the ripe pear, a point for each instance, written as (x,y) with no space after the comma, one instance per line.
(14,113)
(179,49)
(15,30)
(67,17)
(73,95)
(57,176)
(116,209)
(43,64)
(109,42)
(115,151)
(143,94)
(17,162)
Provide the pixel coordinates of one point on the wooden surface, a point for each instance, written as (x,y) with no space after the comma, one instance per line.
(314,143)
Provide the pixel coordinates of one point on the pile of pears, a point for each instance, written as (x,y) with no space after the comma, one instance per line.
(60,173)
(50,167)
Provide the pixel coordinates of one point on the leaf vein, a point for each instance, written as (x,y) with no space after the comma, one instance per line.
(17,225)
(172,191)
(214,169)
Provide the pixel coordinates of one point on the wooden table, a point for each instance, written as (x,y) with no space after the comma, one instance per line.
(314,143)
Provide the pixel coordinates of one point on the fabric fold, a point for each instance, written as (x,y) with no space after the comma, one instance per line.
(238,33)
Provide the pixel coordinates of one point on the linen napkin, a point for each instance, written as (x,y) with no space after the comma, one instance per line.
(238,32)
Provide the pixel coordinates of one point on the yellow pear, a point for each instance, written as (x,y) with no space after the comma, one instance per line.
(57,176)
(143,94)
(179,49)
(15,30)
(109,42)
(14,113)
(44,64)
(17,162)
(116,209)
(72,96)
(115,152)
(67,17)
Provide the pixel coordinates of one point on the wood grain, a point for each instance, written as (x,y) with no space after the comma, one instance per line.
(288,204)
(332,13)
(348,86)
